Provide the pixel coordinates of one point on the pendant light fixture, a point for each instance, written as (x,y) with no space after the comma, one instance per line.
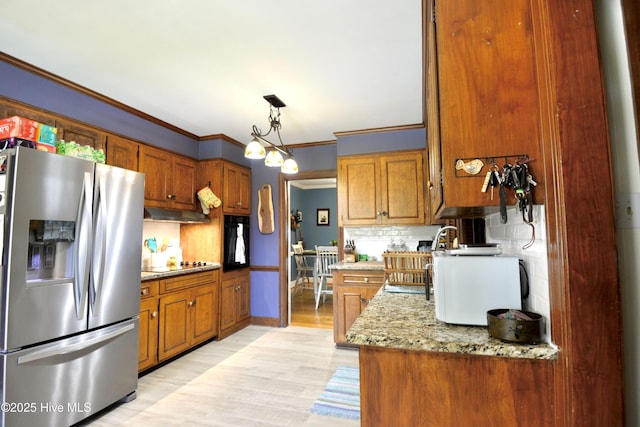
(278,155)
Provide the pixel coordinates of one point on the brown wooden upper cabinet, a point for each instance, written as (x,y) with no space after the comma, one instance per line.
(9,109)
(83,135)
(122,152)
(482,100)
(381,189)
(68,130)
(236,190)
(169,179)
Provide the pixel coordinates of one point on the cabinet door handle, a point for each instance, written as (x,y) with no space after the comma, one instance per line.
(171,196)
(191,303)
(366,279)
(154,314)
(237,288)
(144,291)
(364,300)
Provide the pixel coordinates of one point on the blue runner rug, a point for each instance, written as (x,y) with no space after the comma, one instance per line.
(341,396)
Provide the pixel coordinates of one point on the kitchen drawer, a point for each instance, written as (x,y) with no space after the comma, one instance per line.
(149,289)
(363,277)
(188,280)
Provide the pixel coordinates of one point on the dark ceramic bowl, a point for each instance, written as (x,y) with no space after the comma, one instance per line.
(519,330)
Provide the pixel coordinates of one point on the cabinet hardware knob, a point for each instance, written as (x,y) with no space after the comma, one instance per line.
(145,291)
(366,279)
(363,300)
(154,314)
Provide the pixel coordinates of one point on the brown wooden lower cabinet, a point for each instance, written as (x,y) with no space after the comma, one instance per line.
(182,314)
(234,302)
(148,325)
(352,291)
(419,388)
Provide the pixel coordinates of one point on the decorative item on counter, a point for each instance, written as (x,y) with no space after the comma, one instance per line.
(350,251)
(208,200)
(397,246)
(524,327)
(333,242)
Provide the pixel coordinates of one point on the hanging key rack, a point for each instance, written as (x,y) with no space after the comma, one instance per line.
(512,172)
(489,161)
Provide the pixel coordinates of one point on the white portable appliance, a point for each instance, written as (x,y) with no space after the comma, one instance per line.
(466,287)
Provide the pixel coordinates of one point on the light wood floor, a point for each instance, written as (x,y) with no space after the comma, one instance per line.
(304,313)
(260,376)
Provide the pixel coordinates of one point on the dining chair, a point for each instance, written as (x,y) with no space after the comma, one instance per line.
(325,256)
(303,269)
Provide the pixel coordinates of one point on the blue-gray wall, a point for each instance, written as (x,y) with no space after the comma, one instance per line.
(312,200)
(21,85)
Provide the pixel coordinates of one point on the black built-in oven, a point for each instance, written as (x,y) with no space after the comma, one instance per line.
(236,242)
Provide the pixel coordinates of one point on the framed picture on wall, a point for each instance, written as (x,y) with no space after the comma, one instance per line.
(322,217)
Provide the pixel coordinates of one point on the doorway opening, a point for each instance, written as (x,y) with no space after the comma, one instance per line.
(298,308)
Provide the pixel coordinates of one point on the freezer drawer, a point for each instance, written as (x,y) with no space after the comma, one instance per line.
(63,382)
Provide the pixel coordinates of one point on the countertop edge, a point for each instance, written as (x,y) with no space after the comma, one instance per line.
(407,322)
(145,276)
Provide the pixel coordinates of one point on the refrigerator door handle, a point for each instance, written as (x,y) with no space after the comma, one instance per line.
(84,229)
(73,348)
(100,246)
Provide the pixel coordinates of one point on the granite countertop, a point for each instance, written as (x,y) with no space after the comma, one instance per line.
(360,265)
(147,275)
(408,322)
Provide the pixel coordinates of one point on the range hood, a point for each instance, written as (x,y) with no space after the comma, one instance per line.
(173,215)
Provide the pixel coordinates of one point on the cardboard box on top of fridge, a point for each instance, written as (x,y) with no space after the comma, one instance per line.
(47,134)
(18,127)
(43,146)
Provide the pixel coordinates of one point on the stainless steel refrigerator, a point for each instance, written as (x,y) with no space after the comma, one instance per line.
(70,237)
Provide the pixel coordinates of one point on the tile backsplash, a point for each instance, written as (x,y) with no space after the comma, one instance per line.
(373,241)
(161,231)
(512,236)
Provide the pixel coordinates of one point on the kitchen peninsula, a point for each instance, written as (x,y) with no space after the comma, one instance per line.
(416,370)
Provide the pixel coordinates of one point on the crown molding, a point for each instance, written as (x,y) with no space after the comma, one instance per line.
(379,130)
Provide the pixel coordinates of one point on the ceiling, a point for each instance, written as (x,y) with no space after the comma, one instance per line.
(204,65)
(313,183)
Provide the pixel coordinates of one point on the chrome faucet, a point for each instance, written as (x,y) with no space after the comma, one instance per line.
(441,231)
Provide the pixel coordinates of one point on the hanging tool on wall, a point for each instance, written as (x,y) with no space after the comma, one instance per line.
(518,177)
